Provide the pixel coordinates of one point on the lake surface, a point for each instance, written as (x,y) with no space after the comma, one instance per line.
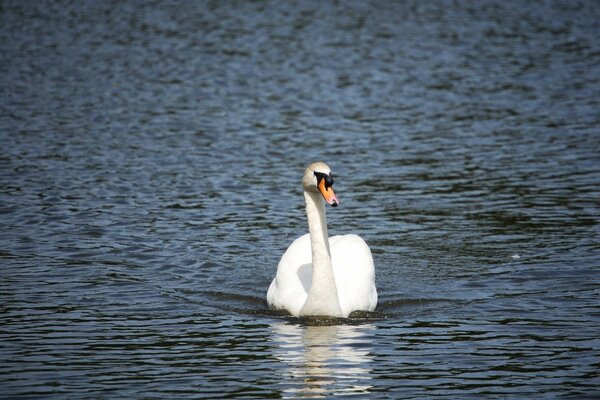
(150,181)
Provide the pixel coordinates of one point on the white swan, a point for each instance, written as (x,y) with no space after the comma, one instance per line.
(318,275)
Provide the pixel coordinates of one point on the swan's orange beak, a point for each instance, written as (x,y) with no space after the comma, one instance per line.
(328,194)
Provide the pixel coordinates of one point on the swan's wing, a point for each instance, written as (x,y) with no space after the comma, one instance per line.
(290,286)
(354,273)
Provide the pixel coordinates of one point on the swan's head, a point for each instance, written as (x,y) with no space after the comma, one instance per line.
(317,178)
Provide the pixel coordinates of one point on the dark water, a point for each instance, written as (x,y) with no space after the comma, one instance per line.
(150,181)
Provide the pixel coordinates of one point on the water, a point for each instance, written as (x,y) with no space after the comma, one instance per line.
(150,181)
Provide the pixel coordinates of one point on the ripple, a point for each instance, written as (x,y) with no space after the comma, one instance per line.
(150,183)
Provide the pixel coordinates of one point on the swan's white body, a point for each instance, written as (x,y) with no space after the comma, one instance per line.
(318,275)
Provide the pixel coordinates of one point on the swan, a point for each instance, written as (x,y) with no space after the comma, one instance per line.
(318,275)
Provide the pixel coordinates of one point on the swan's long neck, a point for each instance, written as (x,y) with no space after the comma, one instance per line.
(322,296)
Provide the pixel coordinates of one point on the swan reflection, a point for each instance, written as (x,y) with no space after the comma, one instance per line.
(323,360)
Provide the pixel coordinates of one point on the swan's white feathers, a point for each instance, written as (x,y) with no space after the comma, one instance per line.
(354,273)
(289,288)
(352,267)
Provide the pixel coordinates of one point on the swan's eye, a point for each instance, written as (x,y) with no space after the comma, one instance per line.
(328,179)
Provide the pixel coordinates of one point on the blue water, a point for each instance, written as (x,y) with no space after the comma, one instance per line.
(150,180)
